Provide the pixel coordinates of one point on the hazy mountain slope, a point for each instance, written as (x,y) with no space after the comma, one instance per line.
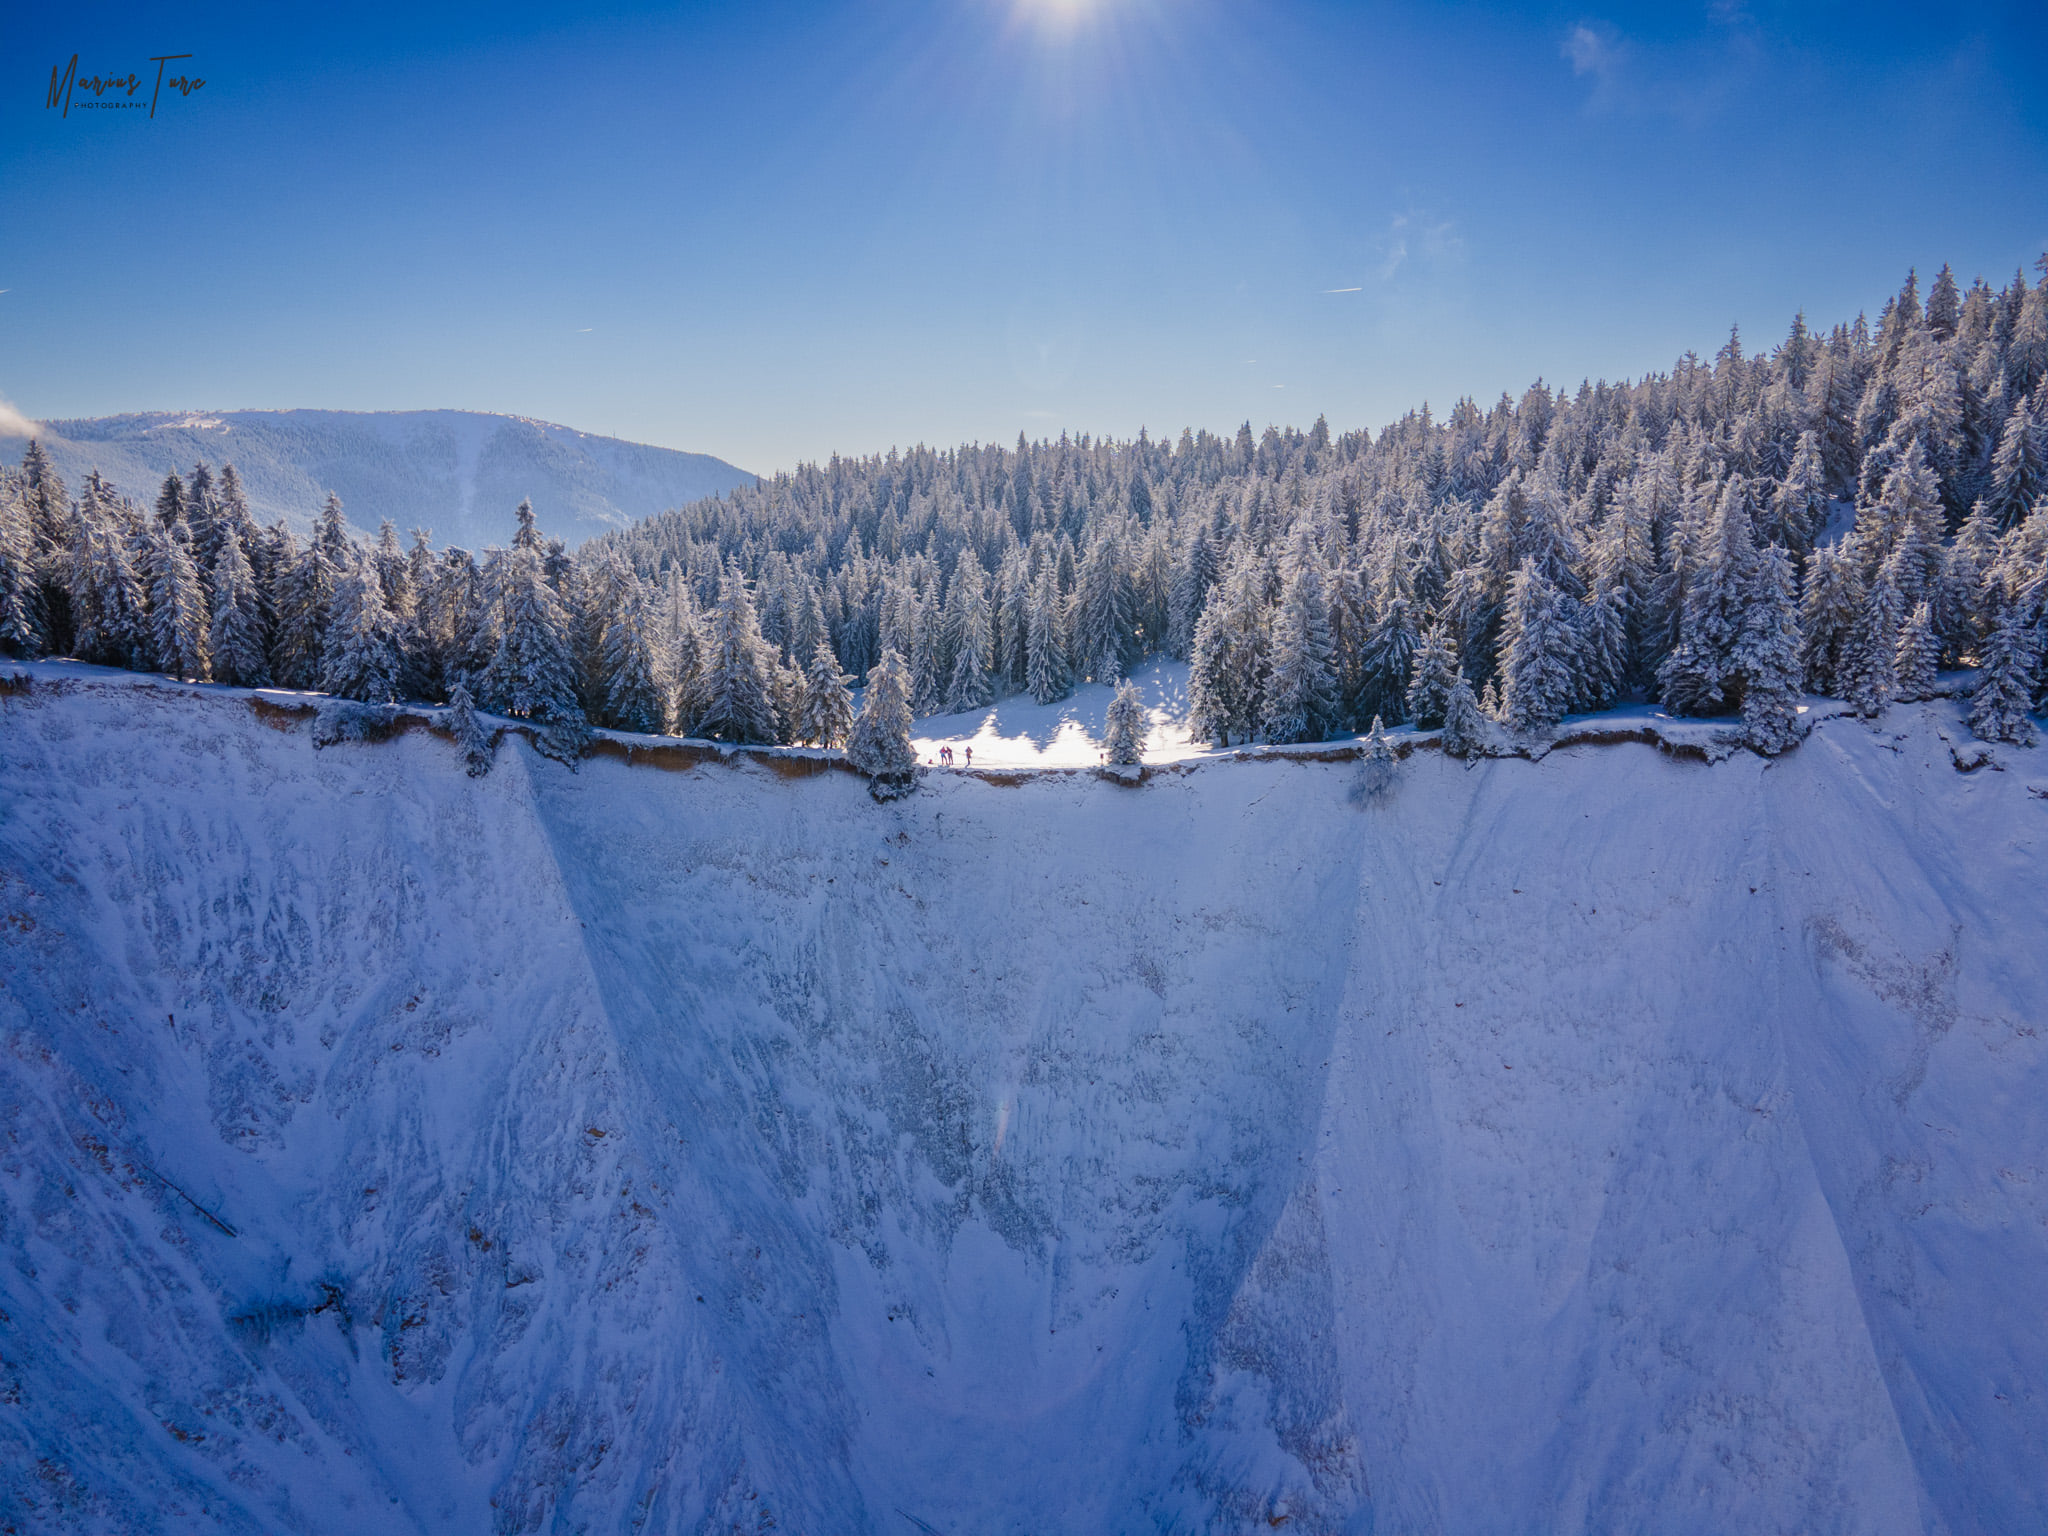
(459,473)
(1601,1143)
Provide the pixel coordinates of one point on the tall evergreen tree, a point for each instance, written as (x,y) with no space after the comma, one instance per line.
(827,712)
(1767,656)
(1698,677)
(473,739)
(1301,688)
(532,675)
(1047,674)
(1433,674)
(1104,610)
(1125,727)
(970,622)
(21,592)
(177,603)
(49,512)
(236,639)
(739,703)
(1869,673)
(305,591)
(2019,468)
(1227,675)
(1918,656)
(1799,505)
(635,694)
(1830,610)
(1536,647)
(2002,703)
(1192,580)
(359,654)
(1464,732)
(108,605)
(879,744)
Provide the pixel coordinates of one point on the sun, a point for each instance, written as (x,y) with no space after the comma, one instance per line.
(1058,15)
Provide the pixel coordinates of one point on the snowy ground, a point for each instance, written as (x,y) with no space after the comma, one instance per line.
(1018,733)
(1606,1142)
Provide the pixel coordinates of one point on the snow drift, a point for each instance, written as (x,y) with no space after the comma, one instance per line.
(1606,1142)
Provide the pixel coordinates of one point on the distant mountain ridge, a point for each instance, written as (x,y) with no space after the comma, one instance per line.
(458,473)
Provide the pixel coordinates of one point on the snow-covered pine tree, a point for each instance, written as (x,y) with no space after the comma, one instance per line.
(170,501)
(1829,611)
(1698,676)
(1536,649)
(50,523)
(1104,621)
(231,504)
(635,696)
(1464,732)
(1125,727)
(1624,572)
(2003,700)
(969,620)
(1301,687)
(1869,675)
(1799,505)
(473,740)
(532,675)
(739,703)
(879,744)
(688,648)
(1434,672)
(1387,651)
(594,592)
(359,657)
(2019,466)
(1918,656)
(1767,655)
(178,620)
(108,605)
(1227,674)
(929,661)
(827,713)
(1193,578)
(394,571)
(236,639)
(21,591)
(330,532)
(525,528)
(1910,520)
(1013,642)
(305,590)
(1377,766)
(1047,674)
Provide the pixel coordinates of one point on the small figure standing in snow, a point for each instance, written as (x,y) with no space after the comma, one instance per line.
(970,757)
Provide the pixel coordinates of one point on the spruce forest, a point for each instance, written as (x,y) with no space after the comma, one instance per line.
(1846,514)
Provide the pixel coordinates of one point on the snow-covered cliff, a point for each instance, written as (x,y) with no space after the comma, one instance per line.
(1608,1142)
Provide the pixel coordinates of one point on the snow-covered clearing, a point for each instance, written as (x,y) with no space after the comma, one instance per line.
(1605,1142)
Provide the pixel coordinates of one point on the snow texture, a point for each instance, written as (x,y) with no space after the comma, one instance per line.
(1610,1141)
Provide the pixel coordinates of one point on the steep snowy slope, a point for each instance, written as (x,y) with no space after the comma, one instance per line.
(1607,1142)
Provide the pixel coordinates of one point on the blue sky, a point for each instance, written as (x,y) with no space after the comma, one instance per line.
(779,230)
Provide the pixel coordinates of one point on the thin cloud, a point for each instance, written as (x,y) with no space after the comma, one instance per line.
(1598,52)
(1343,290)
(584,330)
(12,422)
(1692,78)
(1418,237)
